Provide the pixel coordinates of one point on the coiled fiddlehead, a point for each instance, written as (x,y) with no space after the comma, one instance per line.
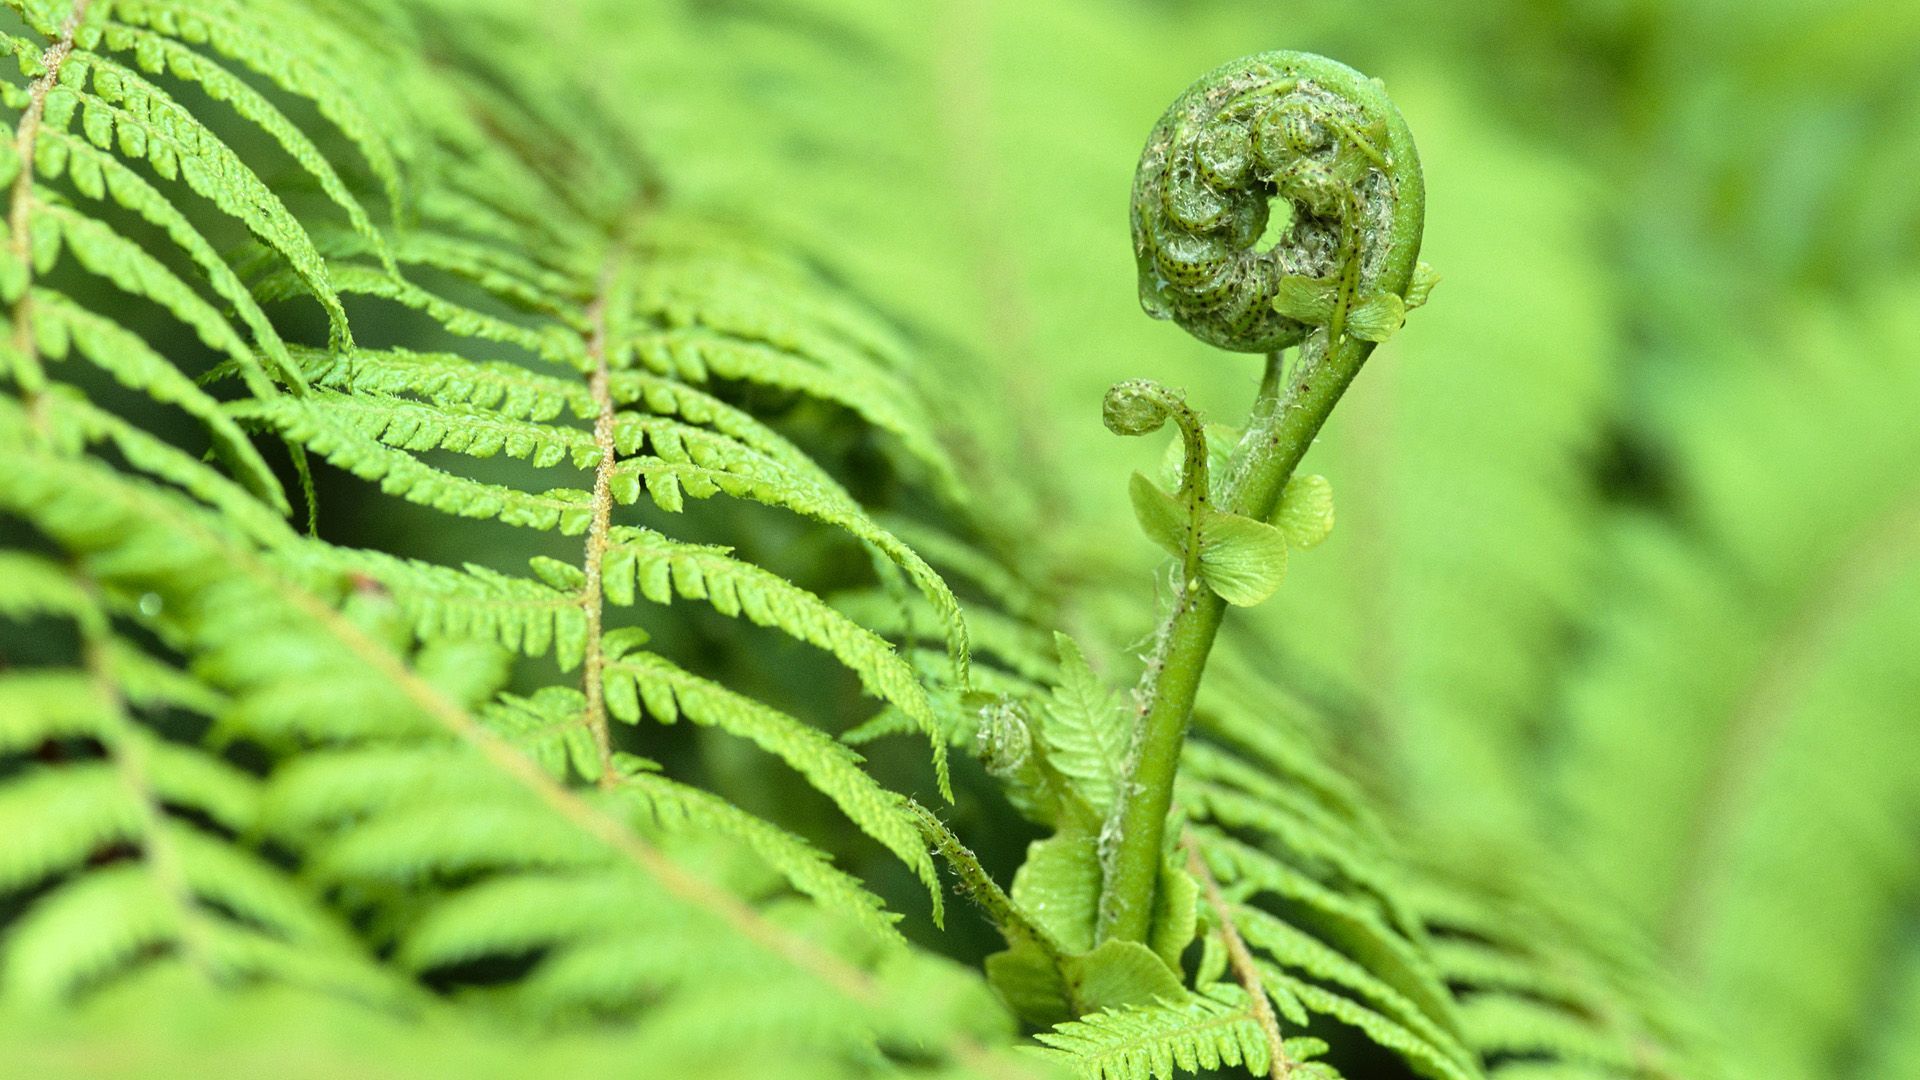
(1277,128)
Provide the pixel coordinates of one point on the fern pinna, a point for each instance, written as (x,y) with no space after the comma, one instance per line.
(268,258)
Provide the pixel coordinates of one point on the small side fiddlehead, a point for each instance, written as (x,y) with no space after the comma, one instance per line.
(1279,131)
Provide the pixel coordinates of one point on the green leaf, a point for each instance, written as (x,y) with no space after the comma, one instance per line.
(1305,516)
(1121,973)
(1424,279)
(1030,983)
(1085,735)
(1059,887)
(1160,515)
(1176,913)
(1306,299)
(1377,317)
(1241,559)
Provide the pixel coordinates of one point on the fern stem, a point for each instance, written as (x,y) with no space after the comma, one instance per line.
(592,593)
(1329,141)
(1280,1065)
(1266,459)
(26,353)
(979,886)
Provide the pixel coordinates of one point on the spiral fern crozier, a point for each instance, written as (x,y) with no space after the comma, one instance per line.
(1277,131)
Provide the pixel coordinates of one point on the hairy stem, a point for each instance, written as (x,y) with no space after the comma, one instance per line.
(1266,458)
(592,594)
(26,354)
(1241,959)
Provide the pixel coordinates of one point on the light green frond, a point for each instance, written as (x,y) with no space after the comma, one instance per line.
(82,423)
(519,915)
(1085,733)
(337,439)
(128,190)
(1214,1029)
(411,425)
(533,618)
(123,113)
(84,932)
(507,389)
(550,727)
(105,252)
(959,558)
(674,806)
(1314,959)
(645,563)
(62,327)
(31,585)
(640,683)
(157,54)
(416,843)
(697,356)
(261,38)
(193,779)
(514,281)
(1426,1057)
(549,342)
(1507,1026)
(57,817)
(1361,924)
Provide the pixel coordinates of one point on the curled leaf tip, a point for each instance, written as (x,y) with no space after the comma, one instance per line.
(1280,131)
(1137,407)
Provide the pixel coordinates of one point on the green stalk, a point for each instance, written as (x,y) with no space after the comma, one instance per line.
(1270,454)
(1289,412)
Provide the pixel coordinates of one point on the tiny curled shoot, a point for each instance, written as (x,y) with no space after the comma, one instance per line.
(1142,407)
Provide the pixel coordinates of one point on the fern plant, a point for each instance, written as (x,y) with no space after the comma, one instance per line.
(466,587)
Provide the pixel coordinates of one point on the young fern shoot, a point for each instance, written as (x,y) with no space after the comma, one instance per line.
(1326,139)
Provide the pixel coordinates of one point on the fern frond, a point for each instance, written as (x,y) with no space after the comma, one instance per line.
(342,443)
(553,343)
(157,54)
(698,355)
(104,252)
(57,818)
(1724,768)
(641,682)
(129,191)
(260,37)
(124,113)
(61,328)
(1211,1029)
(650,565)
(32,585)
(1334,973)
(72,421)
(533,618)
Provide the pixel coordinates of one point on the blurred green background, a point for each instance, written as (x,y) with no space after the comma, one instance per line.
(1626,582)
